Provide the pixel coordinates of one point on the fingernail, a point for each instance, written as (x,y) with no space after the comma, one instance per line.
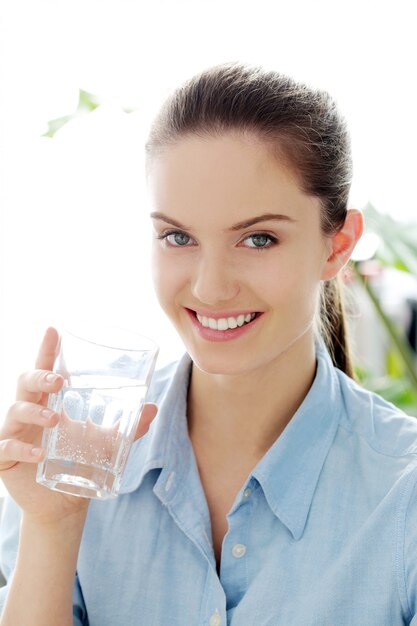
(46,414)
(51,378)
(36,451)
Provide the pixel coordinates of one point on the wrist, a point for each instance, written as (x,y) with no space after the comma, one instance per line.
(56,544)
(72,522)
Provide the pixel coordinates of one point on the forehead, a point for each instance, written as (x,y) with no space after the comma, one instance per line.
(231,175)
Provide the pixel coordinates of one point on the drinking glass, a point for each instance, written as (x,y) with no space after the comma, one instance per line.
(106,373)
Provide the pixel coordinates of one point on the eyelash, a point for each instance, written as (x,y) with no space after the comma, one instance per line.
(273,240)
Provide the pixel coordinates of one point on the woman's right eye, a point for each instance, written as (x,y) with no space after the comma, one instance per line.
(178,239)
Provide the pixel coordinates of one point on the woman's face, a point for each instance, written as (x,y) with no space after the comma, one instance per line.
(211,258)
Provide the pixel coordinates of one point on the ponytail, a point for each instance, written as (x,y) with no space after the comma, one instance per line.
(333,324)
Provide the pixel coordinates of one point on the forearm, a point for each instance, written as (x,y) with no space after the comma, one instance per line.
(41,589)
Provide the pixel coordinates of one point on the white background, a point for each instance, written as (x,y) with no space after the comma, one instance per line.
(74,231)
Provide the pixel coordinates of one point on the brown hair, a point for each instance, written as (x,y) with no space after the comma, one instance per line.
(301,125)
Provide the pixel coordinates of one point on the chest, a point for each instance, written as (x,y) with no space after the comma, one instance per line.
(333,575)
(219,527)
(220,493)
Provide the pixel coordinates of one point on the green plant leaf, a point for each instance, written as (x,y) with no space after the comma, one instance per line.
(396,336)
(397,391)
(87,102)
(398,247)
(394,363)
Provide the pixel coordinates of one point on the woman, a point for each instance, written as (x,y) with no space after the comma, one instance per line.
(271,489)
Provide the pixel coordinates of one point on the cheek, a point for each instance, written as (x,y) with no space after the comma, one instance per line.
(168,277)
(304,291)
(159,274)
(289,287)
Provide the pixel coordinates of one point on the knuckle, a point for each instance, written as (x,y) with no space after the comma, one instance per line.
(32,380)
(13,450)
(19,410)
(16,411)
(5,448)
(19,407)
(13,410)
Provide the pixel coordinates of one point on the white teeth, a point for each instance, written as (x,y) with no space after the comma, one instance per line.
(222,324)
(225,323)
(232,322)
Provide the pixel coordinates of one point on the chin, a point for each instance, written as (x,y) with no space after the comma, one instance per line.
(218,365)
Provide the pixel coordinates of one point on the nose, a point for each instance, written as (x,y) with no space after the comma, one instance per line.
(214,281)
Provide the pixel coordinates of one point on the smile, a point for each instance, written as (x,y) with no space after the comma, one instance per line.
(225,328)
(224,323)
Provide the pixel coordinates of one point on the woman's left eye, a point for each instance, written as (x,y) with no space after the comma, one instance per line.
(261,241)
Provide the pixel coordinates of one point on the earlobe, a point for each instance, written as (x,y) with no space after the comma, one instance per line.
(343,243)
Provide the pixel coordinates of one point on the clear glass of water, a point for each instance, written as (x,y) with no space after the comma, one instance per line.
(106,373)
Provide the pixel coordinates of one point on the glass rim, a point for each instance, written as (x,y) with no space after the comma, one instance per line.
(85,331)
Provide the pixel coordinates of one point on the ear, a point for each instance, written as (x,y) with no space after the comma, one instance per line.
(343,243)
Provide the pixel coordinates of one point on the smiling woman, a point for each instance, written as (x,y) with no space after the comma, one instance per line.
(212,265)
(268,468)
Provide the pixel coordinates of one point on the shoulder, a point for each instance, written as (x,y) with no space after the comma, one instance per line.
(383,426)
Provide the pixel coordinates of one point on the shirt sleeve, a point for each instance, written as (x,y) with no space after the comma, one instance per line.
(9,542)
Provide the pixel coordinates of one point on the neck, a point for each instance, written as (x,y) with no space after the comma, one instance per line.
(241,416)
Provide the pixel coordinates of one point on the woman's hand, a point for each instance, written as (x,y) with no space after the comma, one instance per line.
(21,437)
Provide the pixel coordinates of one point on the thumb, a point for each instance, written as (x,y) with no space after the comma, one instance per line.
(149,411)
(47,351)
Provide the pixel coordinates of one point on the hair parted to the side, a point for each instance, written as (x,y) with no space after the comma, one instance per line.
(302,127)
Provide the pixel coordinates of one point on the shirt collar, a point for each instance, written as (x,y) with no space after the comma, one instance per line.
(290,470)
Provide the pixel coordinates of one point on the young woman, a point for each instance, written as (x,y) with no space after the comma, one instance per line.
(271,489)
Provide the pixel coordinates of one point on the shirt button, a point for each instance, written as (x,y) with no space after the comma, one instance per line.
(238,550)
(247,492)
(215,619)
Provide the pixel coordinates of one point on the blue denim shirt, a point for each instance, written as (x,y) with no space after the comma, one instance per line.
(322,533)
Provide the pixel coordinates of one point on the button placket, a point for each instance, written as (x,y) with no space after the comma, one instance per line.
(234,563)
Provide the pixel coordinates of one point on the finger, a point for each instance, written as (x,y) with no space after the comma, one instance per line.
(33,384)
(13,451)
(149,412)
(48,349)
(28,413)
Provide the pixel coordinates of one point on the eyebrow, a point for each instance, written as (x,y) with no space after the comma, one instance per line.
(266,217)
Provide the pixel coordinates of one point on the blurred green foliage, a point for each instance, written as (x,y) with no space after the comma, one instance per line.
(87,102)
(397,249)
